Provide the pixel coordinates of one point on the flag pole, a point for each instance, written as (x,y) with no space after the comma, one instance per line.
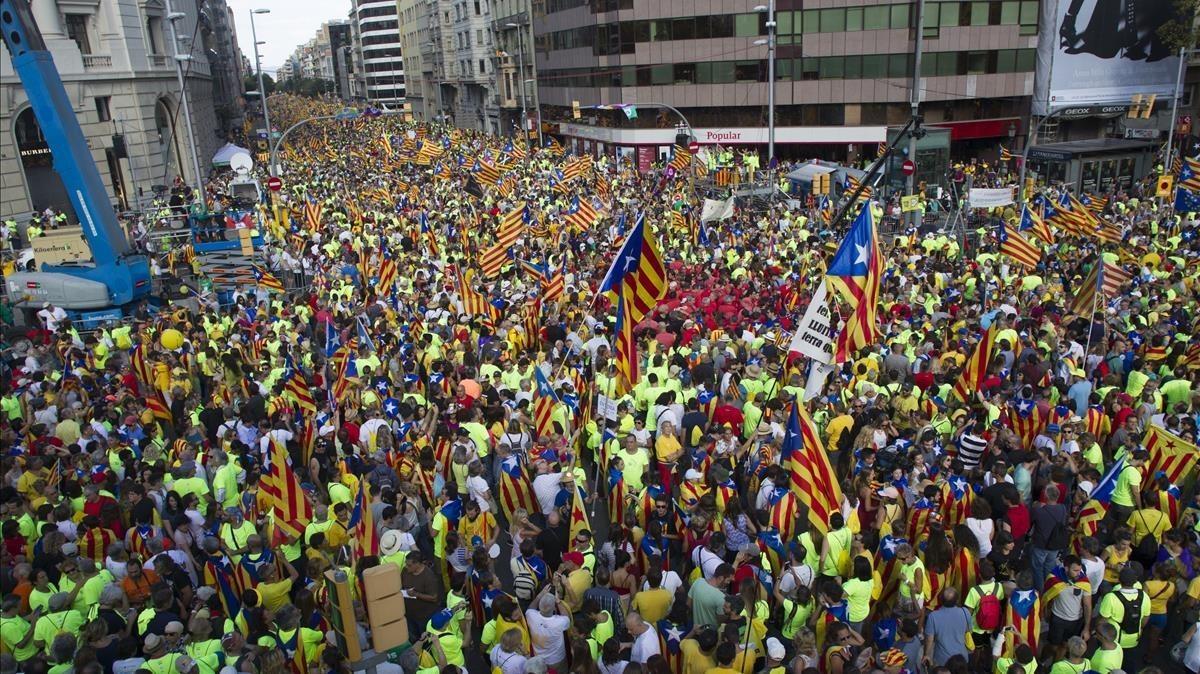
(1087,349)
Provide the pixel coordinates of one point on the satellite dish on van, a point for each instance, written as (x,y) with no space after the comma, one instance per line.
(241,163)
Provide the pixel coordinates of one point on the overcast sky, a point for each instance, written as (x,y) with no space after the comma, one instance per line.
(290,24)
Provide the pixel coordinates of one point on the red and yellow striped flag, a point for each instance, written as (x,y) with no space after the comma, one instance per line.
(976,367)
(292,511)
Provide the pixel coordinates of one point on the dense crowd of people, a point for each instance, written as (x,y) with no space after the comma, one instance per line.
(467,406)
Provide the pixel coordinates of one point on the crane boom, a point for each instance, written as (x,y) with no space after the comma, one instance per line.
(125,273)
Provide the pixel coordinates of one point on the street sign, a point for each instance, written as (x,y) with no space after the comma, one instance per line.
(693,147)
(274,183)
(908,167)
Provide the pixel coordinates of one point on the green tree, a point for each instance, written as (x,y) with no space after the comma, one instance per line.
(250,83)
(1180,32)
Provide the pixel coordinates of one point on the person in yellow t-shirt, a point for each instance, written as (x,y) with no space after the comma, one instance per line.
(273,590)
(696,652)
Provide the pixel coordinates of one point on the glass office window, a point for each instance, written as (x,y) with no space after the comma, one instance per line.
(683,29)
(746,71)
(853,67)
(900,16)
(947,64)
(783,69)
(977,62)
(809,68)
(721,25)
(874,18)
(784,21)
(745,25)
(662,74)
(685,73)
(833,68)
(932,13)
(948,14)
(979,14)
(1006,61)
(723,72)
(833,20)
(660,30)
(1010,13)
(854,19)
(874,66)
(703,29)
(900,65)
(704,73)
(1025,60)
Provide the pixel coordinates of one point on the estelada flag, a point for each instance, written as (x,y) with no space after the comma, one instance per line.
(579,516)
(1169,455)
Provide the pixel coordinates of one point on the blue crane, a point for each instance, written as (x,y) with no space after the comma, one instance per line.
(120,276)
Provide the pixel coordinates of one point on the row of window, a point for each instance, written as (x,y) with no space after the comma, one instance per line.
(379,25)
(368,12)
(621,37)
(1023,13)
(870,66)
(386,38)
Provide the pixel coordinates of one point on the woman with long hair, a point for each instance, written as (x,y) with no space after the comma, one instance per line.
(938,557)
(581,657)
(964,568)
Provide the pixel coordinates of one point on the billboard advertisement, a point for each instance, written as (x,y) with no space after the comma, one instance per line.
(1093,52)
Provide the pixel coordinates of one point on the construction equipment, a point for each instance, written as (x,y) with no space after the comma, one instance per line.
(118,277)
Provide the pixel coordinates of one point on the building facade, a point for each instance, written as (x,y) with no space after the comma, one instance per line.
(516,97)
(340,46)
(376,37)
(115,60)
(414,25)
(458,62)
(843,73)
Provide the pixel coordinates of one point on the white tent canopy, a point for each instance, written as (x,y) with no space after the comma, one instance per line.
(227,151)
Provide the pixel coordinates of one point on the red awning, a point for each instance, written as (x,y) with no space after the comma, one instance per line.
(980,128)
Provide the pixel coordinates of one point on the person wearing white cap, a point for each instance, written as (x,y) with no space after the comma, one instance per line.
(776,654)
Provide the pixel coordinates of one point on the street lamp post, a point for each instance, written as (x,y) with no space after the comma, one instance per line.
(172,17)
(521,75)
(262,90)
(771,26)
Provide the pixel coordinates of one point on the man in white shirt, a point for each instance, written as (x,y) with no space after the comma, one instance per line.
(546,626)
(545,488)
(645,640)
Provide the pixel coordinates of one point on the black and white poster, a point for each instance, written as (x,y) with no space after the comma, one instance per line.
(1096,52)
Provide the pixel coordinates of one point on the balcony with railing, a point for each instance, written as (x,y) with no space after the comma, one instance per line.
(96,61)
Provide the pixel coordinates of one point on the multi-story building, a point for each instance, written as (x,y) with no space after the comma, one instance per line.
(414,27)
(377,38)
(458,63)
(843,73)
(339,51)
(515,66)
(115,59)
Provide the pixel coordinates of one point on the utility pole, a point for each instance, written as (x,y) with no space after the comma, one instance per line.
(172,17)
(918,39)
(262,90)
(521,76)
(1175,109)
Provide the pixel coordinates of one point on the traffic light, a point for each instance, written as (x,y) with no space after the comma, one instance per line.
(575,110)
(1141,107)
